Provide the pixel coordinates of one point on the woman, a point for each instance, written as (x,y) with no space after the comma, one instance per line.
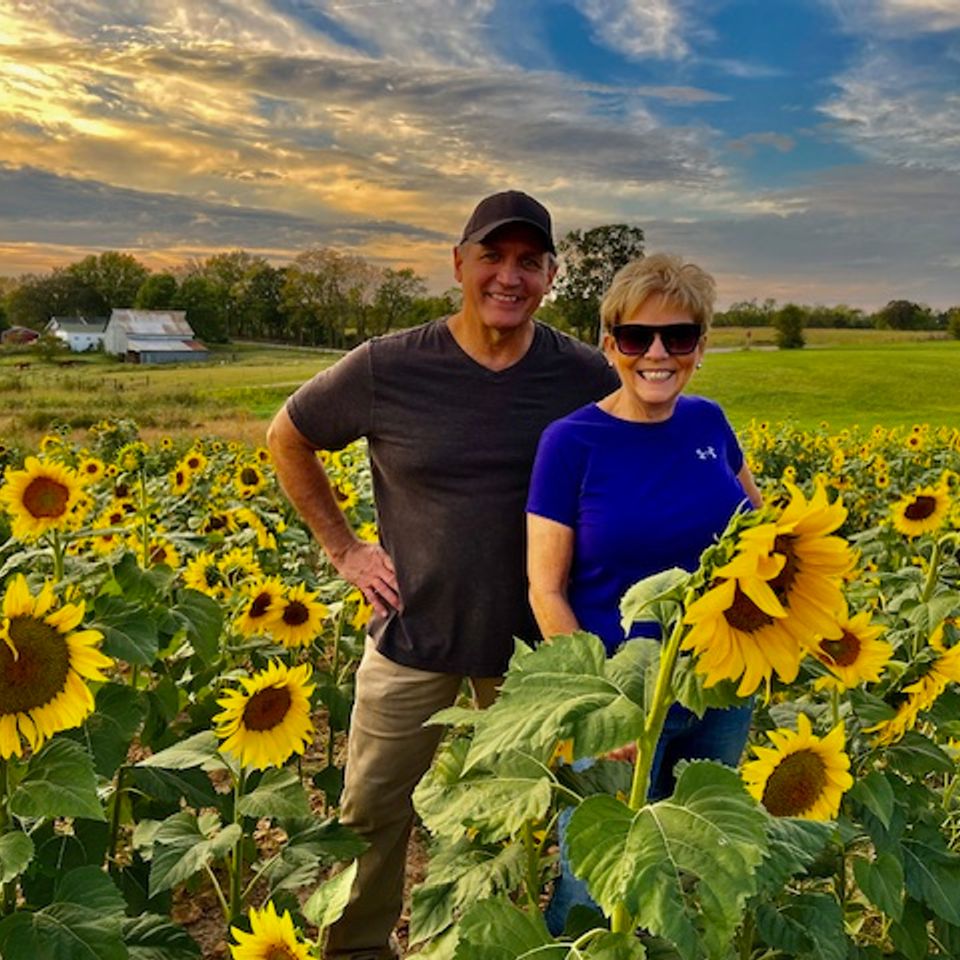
(641,481)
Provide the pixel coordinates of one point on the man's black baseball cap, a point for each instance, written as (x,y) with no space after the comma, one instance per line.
(510,206)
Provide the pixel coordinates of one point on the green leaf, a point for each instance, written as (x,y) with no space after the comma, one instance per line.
(152,937)
(655,599)
(876,794)
(200,750)
(560,690)
(137,583)
(932,873)
(881,882)
(329,780)
(497,930)
(460,875)
(279,796)
(909,934)
(616,946)
(129,632)
(711,831)
(919,756)
(60,782)
(92,888)
(109,730)
(202,617)
(809,925)
(61,931)
(184,845)
(495,804)
(793,846)
(329,900)
(689,689)
(16,852)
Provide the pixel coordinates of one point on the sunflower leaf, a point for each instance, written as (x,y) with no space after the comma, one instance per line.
(460,875)
(279,796)
(876,794)
(182,847)
(932,872)
(16,852)
(66,931)
(617,946)
(793,845)
(60,782)
(328,901)
(129,632)
(882,882)
(497,930)
(202,617)
(153,937)
(918,755)
(90,887)
(655,599)
(559,691)
(809,925)
(495,805)
(200,750)
(109,730)
(710,830)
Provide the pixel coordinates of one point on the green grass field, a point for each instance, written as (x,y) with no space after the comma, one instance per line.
(842,378)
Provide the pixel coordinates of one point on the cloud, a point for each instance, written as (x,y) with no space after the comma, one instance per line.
(638,28)
(895,18)
(748,143)
(898,111)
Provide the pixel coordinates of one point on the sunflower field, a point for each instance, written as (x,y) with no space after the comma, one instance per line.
(176,663)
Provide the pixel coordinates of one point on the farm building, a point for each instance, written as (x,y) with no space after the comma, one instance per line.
(78,333)
(152,336)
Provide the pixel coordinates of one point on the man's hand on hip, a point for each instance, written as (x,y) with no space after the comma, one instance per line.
(369,567)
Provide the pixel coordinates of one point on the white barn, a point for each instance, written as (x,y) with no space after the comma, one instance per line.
(78,333)
(152,336)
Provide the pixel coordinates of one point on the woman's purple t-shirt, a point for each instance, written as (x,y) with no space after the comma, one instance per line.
(640,497)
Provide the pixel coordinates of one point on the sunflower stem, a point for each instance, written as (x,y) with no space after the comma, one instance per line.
(931,582)
(532,879)
(835,705)
(218,890)
(8,891)
(236,861)
(115,816)
(57,556)
(663,698)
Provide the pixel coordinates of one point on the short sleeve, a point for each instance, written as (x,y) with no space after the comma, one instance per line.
(335,407)
(557,476)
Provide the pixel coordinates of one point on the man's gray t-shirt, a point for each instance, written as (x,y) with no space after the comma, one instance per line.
(451,447)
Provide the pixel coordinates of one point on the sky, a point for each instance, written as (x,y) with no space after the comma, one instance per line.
(804,150)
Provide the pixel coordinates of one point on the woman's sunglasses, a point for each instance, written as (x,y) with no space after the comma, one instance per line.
(635,339)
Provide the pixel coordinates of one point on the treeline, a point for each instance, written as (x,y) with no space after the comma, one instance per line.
(896,315)
(327,298)
(322,298)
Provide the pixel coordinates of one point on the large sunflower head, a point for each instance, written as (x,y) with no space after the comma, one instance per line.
(268,720)
(40,497)
(271,937)
(801,775)
(203,573)
(249,480)
(857,656)
(300,618)
(44,663)
(262,607)
(781,588)
(922,511)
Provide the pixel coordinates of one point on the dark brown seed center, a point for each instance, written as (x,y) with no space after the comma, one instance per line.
(260,605)
(744,615)
(796,784)
(266,709)
(39,672)
(45,497)
(921,508)
(249,476)
(295,614)
(844,651)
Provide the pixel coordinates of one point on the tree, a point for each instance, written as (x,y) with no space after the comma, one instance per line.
(590,260)
(953,322)
(788,321)
(903,315)
(201,299)
(747,313)
(116,278)
(58,294)
(394,299)
(157,292)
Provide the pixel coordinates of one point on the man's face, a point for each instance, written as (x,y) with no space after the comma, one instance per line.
(505,277)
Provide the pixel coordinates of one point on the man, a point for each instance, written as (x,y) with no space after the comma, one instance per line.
(452,411)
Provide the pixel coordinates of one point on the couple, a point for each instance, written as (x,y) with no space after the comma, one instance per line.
(635,478)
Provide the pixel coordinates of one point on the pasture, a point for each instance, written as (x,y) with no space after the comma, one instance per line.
(843,378)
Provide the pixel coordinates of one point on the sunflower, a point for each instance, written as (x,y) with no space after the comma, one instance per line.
(781,588)
(300,619)
(857,656)
(245,517)
(272,937)
(180,480)
(131,455)
(238,565)
(219,521)
(249,480)
(44,661)
(194,461)
(40,497)
(90,469)
(801,775)
(262,455)
(262,608)
(364,610)
(202,573)
(269,719)
(922,511)
(345,493)
(922,693)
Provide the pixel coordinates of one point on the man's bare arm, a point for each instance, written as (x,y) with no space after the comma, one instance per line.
(366,565)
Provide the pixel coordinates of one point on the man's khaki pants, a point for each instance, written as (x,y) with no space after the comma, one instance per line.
(389,750)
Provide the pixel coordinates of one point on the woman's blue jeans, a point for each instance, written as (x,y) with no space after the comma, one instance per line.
(720,735)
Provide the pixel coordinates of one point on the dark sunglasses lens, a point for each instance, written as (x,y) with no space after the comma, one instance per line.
(681,338)
(633,338)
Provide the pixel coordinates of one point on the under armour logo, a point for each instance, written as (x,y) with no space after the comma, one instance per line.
(708,454)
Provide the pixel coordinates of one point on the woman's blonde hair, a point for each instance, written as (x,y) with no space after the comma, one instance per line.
(684,284)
